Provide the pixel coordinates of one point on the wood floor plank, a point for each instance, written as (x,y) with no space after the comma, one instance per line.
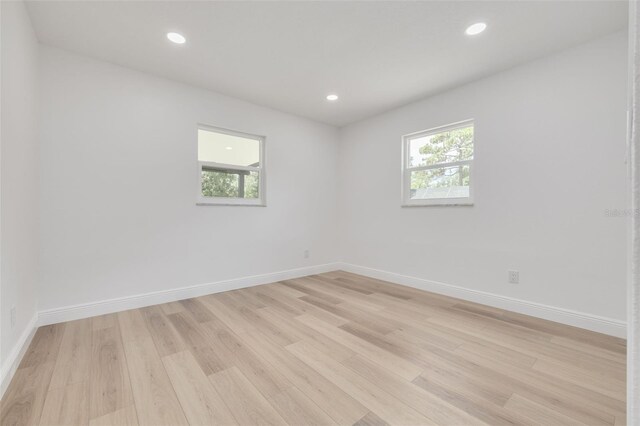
(265,379)
(488,413)
(498,353)
(589,379)
(306,308)
(345,281)
(432,407)
(110,389)
(222,308)
(603,353)
(165,336)
(196,341)
(280,327)
(200,402)
(297,409)
(352,314)
(310,289)
(551,391)
(197,309)
(295,328)
(517,340)
(428,337)
(436,364)
(246,298)
(67,405)
(132,325)
(385,405)
(248,406)
(398,347)
(397,292)
(538,414)
(74,355)
(578,334)
(399,365)
(44,346)
(24,399)
(172,307)
(104,321)
(123,417)
(301,307)
(271,300)
(330,398)
(285,290)
(370,419)
(343,285)
(154,396)
(344,294)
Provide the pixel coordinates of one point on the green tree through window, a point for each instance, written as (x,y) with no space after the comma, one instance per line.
(446,147)
(229,184)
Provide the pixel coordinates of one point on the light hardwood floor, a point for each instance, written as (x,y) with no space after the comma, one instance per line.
(335,348)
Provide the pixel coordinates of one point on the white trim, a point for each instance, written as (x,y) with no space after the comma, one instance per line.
(440,129)
(228,166)
(440,165)
(591,322)
(222,201)
(86,310)
(443,202)
(633,287)
(10,366)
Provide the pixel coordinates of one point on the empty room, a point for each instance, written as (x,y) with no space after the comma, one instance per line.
(319,213)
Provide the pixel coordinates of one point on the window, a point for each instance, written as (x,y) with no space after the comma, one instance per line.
(230,167)
(437,166)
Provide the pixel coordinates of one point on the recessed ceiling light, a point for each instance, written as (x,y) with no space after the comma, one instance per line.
(332,97)
(476,28)
(176,38)
(229,148)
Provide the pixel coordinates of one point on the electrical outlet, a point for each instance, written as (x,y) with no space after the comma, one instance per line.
(306,254)
(513,277)
(13,316)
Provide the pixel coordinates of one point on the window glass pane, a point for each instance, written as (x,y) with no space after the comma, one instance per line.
(252,185)
(230,183)
(445,147)
(444,182)
(221,148)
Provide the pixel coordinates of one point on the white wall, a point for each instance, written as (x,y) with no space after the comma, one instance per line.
(19,178)
(550,152)
(119,177)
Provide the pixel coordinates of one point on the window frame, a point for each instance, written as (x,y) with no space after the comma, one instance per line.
(406,200)
(261,201)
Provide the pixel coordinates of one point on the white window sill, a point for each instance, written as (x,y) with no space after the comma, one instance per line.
(231,202)
(439,202)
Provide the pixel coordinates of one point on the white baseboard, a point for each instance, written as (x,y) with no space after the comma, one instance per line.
(9,367)
(597,323)
(86,310)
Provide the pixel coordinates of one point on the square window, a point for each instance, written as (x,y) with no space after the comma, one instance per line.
(230,167)
(437,166)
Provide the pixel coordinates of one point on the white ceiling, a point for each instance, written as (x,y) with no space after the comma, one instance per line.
(290,55)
